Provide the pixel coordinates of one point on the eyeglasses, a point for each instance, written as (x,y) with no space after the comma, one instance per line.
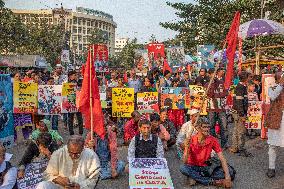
(76,154)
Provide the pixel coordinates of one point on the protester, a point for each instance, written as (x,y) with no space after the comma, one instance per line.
(170,127)
(72,166)
(258,86)
(42,147)
(145,144)
(134,81)
(72,78)
(202,79)
(159,129)
(44,126)
(197,156)
(186,131)
(217,101)
(113,80)
(58,75)
(8,173)
(131,127)
(107,151)
(186,81)
(275,121)
(240,108)
(147,86)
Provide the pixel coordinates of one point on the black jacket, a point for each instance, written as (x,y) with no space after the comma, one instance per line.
(240,103)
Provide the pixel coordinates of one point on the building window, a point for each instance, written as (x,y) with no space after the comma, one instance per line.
(96,24)
(88,23)
(79,30)
(79,21)
(80,47)
(75,21)
(74,29)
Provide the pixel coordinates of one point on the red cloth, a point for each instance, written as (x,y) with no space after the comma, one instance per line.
(177,117)
(84,99)
(199,154)
(166,66)
(232,39)
(130,130)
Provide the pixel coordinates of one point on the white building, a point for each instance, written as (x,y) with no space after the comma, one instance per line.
(120,44)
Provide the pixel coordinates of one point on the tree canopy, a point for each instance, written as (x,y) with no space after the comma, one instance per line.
(208,21)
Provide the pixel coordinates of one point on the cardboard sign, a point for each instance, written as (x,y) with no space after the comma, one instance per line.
(69,98)
(268,81)
(49,99)
(147,102)
(205,54)
(33,175)
(25,97)
(254,117)
(122,102)
(197,94)
(175,97)
(149,173)
(22,120)
(175,57)
(6,111)
(141,61)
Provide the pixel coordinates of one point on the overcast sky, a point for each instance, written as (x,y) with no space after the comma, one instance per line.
(138,18)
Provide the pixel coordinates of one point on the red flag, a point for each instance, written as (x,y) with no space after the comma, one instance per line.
(84,99)
(232,40)
(166,66)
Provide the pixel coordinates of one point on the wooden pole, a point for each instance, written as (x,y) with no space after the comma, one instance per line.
(91,51)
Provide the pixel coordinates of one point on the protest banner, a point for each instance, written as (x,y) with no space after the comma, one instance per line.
(6,111)
(205,54)
(197,93)
(147,102)
(122,102)
(69,98)
(101,58)
(175,97)
(156,54)
(268,80)
(22,120)
(25,97)
(175,57)
(149,173)
(141,60)
(254,113)
(49,99)
(33,174)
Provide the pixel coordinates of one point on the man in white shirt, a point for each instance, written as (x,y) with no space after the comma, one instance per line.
(72,167)
(8,174)
(186,131)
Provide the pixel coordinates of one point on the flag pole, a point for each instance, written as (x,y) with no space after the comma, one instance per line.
(91,51)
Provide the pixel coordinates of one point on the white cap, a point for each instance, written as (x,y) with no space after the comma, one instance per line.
(58,65)
(192,111)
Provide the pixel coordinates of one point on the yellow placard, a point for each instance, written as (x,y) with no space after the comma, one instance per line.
(122,102)
(25,97)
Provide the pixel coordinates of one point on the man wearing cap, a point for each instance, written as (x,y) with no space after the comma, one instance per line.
(186,131)
(58,76)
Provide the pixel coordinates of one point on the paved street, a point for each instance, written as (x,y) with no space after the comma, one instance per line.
(250,171)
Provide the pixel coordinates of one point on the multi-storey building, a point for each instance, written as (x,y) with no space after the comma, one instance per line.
(79,23)
(120,43)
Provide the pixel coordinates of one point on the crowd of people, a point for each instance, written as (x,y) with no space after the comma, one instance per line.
(85,159)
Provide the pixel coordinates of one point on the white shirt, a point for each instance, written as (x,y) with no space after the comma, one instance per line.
(186,131)
(11,176)
(61,164)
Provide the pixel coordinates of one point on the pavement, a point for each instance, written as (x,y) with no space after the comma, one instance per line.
(250,171)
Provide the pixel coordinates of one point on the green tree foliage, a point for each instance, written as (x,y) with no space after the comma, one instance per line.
(208,21)
(98,36)
(36,38)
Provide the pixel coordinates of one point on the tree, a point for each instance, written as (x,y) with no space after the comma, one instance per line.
(98,36)
(208,21)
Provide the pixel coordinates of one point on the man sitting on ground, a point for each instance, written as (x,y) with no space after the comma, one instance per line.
(197,156)
(186,131)
(8,174)
(159,129)
(72,167)
(145,144)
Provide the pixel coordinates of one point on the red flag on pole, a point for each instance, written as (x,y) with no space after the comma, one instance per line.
(166,66)
(232,40)
(89,103)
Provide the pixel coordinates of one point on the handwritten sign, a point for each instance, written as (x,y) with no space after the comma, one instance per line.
(254,115)
(122,102)
(147,102)
(149,173)
(175,97)
(49,99)
(69,98)
(22,120)
(6,111)
(25,97)
(197,94)
(33,175)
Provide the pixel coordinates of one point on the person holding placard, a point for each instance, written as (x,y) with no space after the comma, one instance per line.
(145,144)
(170,127)
(198,162)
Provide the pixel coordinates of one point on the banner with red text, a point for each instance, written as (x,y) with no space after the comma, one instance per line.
(149,173)
(101,57)
(147,102)
(156,53)
(254,115)
(69,98)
